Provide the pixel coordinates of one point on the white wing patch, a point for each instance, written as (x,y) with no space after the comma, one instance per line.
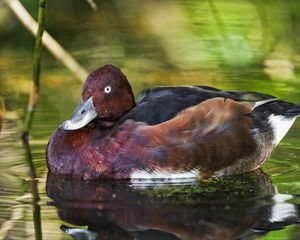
(280,125)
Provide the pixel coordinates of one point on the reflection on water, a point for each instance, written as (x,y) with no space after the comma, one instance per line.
(2,111)
(36,209)
(227,209)
(248,45)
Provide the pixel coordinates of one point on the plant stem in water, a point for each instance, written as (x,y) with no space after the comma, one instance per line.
(34,92)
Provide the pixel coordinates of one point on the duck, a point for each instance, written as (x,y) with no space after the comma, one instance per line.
(170,133)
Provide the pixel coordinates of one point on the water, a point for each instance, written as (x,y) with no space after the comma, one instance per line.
(244,45)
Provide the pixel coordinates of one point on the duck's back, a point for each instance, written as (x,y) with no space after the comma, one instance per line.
(161,104)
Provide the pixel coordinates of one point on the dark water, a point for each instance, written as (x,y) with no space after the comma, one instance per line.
(247,45)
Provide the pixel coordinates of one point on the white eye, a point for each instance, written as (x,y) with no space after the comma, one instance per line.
(107,89)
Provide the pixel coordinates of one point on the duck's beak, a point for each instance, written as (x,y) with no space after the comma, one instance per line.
(83,115)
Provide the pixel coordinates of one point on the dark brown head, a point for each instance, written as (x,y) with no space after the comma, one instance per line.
(106,97)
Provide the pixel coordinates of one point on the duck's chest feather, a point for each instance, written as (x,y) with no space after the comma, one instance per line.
(202,140)
(91,153)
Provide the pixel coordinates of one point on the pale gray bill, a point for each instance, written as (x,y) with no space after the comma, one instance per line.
(83,115)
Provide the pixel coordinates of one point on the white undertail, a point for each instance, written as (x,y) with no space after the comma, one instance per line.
(280,125)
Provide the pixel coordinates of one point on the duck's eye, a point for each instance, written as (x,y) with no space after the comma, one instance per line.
(107,89)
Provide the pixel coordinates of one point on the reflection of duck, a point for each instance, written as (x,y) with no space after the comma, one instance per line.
(225,209)
(171,132)
(79,233)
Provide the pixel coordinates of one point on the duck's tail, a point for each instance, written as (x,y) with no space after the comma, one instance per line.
(293,111)
(276,107)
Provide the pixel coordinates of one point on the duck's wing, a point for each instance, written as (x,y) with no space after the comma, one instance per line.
(217,137)
(160,104)
(206,138)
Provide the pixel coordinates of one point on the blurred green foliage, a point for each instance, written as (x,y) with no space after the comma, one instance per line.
(209,34)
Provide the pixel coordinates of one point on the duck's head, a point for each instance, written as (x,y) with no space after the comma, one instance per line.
(106,96)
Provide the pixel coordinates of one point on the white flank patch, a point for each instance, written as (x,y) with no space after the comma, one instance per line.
(164,176)
(280,125)
(281,209)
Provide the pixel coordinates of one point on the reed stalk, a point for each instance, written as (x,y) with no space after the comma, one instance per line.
(2,112)
(35,86)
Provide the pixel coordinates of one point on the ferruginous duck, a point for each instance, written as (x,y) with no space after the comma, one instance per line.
(181,132)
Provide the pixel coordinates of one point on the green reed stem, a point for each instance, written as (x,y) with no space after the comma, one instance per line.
(33,98)
(34,92)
